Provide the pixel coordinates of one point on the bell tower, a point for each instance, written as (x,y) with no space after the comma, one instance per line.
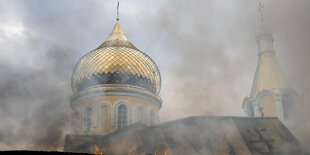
(271,95)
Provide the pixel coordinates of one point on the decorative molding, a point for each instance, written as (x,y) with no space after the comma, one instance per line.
(115,91)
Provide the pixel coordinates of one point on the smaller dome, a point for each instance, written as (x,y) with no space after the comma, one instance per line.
(116,61)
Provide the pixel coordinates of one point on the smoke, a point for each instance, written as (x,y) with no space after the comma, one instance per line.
(293,44)
(206,52)
(207,75)
(38,52)
(34,102)
(217,55)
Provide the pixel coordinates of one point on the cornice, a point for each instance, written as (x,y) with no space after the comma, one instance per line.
(115,89)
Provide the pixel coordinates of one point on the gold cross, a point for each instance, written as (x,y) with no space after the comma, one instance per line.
(117,10)
(260,9)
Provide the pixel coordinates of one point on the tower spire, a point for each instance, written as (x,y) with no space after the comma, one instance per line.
(117,10)
(260,9)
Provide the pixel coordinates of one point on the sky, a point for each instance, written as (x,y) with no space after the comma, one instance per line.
(206,52)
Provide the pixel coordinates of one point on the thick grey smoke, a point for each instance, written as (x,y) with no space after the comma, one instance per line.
(293,43)
(217,54)
(33,102)
(206,52)
(210,44)
(38,53)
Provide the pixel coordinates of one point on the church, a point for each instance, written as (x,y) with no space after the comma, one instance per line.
(271,94)
(116,106)
(114,86)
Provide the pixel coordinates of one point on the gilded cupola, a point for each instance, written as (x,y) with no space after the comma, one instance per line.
(114,86)
(116,63)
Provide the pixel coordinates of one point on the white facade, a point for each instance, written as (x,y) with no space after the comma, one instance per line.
(271,94)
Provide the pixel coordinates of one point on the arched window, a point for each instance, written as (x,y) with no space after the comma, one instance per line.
(288,101)
(122,116)
(268,106)
(153,118)
(104,119)
(87,119)
(140,115)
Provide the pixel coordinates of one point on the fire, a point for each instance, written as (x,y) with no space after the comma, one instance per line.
(98,151)
(167,151)
(157,152)
(132,150)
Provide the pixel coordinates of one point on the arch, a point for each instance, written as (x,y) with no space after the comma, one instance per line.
(95,115)
(263,93)
(268,105)
(122,116)
(153,119)
(87,119)
(105,115)
(140,114)
(114,111)
(119,102)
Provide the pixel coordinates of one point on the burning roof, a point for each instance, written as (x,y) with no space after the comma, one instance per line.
(193,135)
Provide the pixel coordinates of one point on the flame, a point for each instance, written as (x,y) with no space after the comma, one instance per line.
(157,152)
(167,151)
(98,151)
(132,150)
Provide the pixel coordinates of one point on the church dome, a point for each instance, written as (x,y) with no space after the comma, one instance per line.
(116,62)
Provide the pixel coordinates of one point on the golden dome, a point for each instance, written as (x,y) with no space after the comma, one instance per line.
(116,62)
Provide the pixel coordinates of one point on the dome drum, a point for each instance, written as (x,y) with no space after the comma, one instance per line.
(115,90)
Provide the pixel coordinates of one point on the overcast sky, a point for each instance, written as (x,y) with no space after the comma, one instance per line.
(205,49)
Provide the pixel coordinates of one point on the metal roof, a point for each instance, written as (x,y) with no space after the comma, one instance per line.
(193,135)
